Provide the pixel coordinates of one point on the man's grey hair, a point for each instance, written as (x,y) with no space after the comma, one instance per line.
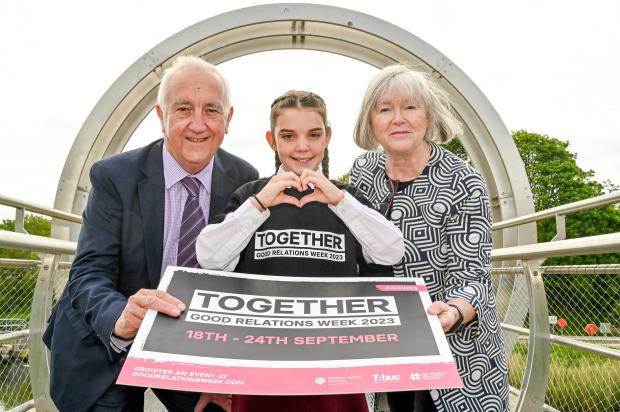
(185,62)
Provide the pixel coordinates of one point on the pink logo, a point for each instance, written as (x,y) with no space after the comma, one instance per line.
(401,288)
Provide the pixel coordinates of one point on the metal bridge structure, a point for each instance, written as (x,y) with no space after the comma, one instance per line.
(519,278)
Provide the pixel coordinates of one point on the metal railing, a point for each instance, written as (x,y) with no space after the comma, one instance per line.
(532,360)
(21,205)
(29,379)
(586,204)
(543,347)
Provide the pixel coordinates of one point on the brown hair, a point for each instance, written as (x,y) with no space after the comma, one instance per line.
(298,99)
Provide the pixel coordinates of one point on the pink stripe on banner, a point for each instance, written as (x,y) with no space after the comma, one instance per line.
(287,381)
(401,288)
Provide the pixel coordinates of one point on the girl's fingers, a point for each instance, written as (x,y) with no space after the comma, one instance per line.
(286,199)
(285,184)
(316,196)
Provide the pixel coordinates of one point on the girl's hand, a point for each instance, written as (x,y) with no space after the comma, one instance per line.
(273,192)
(324,190)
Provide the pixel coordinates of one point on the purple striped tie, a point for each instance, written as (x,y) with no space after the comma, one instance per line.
(191,225)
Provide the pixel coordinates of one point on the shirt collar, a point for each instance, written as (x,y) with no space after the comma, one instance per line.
(281,170)
(174,172)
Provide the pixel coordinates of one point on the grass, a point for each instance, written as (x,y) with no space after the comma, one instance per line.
(578,381)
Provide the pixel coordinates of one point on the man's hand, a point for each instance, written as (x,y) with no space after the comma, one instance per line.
(223,400)
(126,326)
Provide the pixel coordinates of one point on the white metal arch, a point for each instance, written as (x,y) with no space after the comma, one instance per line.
(300,26)
(313,27)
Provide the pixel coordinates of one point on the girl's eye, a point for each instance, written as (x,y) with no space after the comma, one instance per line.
(287,136)
(315,135)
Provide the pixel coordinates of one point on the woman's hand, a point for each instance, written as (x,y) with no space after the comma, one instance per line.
(221,399)
(273,192)
(324,190)
(448,315)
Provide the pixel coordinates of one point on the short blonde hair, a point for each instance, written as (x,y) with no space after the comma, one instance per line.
(184,62)
(442,124)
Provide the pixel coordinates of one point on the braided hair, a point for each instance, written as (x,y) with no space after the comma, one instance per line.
(297,99)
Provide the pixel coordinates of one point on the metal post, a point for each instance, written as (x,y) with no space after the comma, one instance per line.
(560,227)
(19,220)
(41,308)
(536,374)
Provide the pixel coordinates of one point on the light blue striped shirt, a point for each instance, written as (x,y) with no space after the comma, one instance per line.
(176,195)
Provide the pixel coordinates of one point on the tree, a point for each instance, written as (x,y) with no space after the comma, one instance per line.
(556,179)
(17,284)
(34,225)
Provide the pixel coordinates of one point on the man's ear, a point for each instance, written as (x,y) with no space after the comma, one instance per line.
(229,118)
(160,114)
(270,140)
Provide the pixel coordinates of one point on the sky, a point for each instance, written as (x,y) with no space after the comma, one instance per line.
(550,67)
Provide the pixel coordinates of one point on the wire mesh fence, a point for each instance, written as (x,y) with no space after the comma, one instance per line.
(16,291)
(585,307)
(17,285)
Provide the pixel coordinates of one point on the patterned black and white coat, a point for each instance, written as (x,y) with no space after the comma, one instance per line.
(445,218)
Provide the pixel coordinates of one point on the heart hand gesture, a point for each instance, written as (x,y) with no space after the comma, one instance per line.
(324,190)
(273,192)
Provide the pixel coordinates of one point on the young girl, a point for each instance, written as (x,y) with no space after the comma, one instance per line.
(299,197)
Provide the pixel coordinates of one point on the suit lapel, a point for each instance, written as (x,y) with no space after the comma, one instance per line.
(151,195)
(221,183)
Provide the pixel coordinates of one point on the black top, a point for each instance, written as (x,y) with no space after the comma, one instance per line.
(307,241)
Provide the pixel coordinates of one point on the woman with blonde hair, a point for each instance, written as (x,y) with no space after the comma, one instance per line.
(441,206)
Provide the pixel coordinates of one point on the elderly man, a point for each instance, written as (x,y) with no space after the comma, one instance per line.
(145,209)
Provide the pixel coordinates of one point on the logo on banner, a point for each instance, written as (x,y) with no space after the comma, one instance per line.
(320,380)
(310,244)
(385,378)
(415,377)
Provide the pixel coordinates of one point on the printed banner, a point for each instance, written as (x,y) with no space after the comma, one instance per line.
(271,335)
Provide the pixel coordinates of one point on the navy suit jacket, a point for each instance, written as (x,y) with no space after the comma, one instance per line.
(119,251)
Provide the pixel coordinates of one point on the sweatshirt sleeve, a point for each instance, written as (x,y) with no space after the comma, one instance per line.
(219,245)
(382,242)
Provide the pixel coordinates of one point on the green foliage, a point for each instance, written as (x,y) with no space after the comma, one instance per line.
(457,148)
(344,178)
(17,284)
(556,180)
(14,384)
(579,381)
(34,225)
